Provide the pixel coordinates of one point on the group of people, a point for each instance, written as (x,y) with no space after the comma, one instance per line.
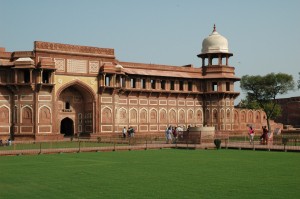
(128,132)
(6,143)
(263,138)
(172,133)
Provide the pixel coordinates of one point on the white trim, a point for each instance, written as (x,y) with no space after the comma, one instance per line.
(21,118)
(9,113)
(184,115)
(137,115)
(44,100)
(187,115)
(21,127)
(5,100)
(112,113)
(119,111)
(21,98)
(45,126)
(161,109)
(105,126)
(147,119)
(143,104)
(202,116)
(110,100)
(7,126)
(172,109)
(49,110)
(156,119)
(157,129)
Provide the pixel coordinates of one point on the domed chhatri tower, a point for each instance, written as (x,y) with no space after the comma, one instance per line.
(218,79)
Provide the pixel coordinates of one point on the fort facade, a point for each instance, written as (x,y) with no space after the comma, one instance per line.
(60,90)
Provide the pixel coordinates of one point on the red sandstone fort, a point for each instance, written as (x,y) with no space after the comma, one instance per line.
(60,90)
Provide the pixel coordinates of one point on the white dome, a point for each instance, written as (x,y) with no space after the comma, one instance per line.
(24,59)
(119,66)
(215,43)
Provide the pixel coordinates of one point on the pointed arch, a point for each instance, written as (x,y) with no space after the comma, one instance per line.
(172,114)
(4,114)
(163,116)
(81,86)
(181,116)
(222,114)
(243,116)
(228,115)
(258,116)
(207,116)
(44,115)
(190,115)
(123,115)
(199,116)
(153,115)
(215,115)
(143,115)
(133,115)
(250,116)
(106,115)
(26,115)
(67,126)
(80,119)
(236,117)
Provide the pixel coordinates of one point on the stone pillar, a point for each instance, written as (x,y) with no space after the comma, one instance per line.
(226,60)
(219,60)
(209,60)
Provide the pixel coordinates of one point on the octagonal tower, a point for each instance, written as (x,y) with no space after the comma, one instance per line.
(218,82)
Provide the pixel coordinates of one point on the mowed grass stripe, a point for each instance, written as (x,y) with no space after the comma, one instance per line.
(152,174)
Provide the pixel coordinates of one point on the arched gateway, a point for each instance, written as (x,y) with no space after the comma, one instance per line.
(76,109)
(67,127)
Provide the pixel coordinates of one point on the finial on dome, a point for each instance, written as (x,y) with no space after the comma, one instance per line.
(214,28)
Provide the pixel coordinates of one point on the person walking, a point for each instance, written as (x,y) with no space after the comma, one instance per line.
(251,134)
(124,131)
(264,136)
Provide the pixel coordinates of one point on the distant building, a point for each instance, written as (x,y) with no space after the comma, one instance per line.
(61,90)
(290,111)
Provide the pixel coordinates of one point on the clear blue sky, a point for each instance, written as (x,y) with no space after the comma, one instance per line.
(264,36)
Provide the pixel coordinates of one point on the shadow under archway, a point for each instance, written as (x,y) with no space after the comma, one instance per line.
(67,127)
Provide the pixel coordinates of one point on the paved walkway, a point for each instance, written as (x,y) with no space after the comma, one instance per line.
(233,145)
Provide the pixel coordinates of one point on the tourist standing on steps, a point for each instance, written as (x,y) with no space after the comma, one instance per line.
(169,135)
(251,134)
(166,133)
(264,136)
(124,131)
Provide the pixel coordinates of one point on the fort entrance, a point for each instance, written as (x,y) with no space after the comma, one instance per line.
(75,109)
(67,127)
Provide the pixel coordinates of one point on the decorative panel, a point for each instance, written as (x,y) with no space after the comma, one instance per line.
(76,66)
(60,64)
(93,67)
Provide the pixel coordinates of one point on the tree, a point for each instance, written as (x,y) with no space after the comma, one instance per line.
(299,81)
(263,90)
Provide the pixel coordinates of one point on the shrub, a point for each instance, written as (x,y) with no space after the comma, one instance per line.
(217,143)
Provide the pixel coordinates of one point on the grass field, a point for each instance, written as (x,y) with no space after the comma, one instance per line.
(167,173)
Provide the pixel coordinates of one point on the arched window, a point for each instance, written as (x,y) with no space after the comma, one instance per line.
(67,105)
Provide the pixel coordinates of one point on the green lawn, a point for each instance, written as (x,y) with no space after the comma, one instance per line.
(166,173)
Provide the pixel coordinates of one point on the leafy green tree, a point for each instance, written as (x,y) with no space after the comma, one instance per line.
(263,90)
(245,103)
